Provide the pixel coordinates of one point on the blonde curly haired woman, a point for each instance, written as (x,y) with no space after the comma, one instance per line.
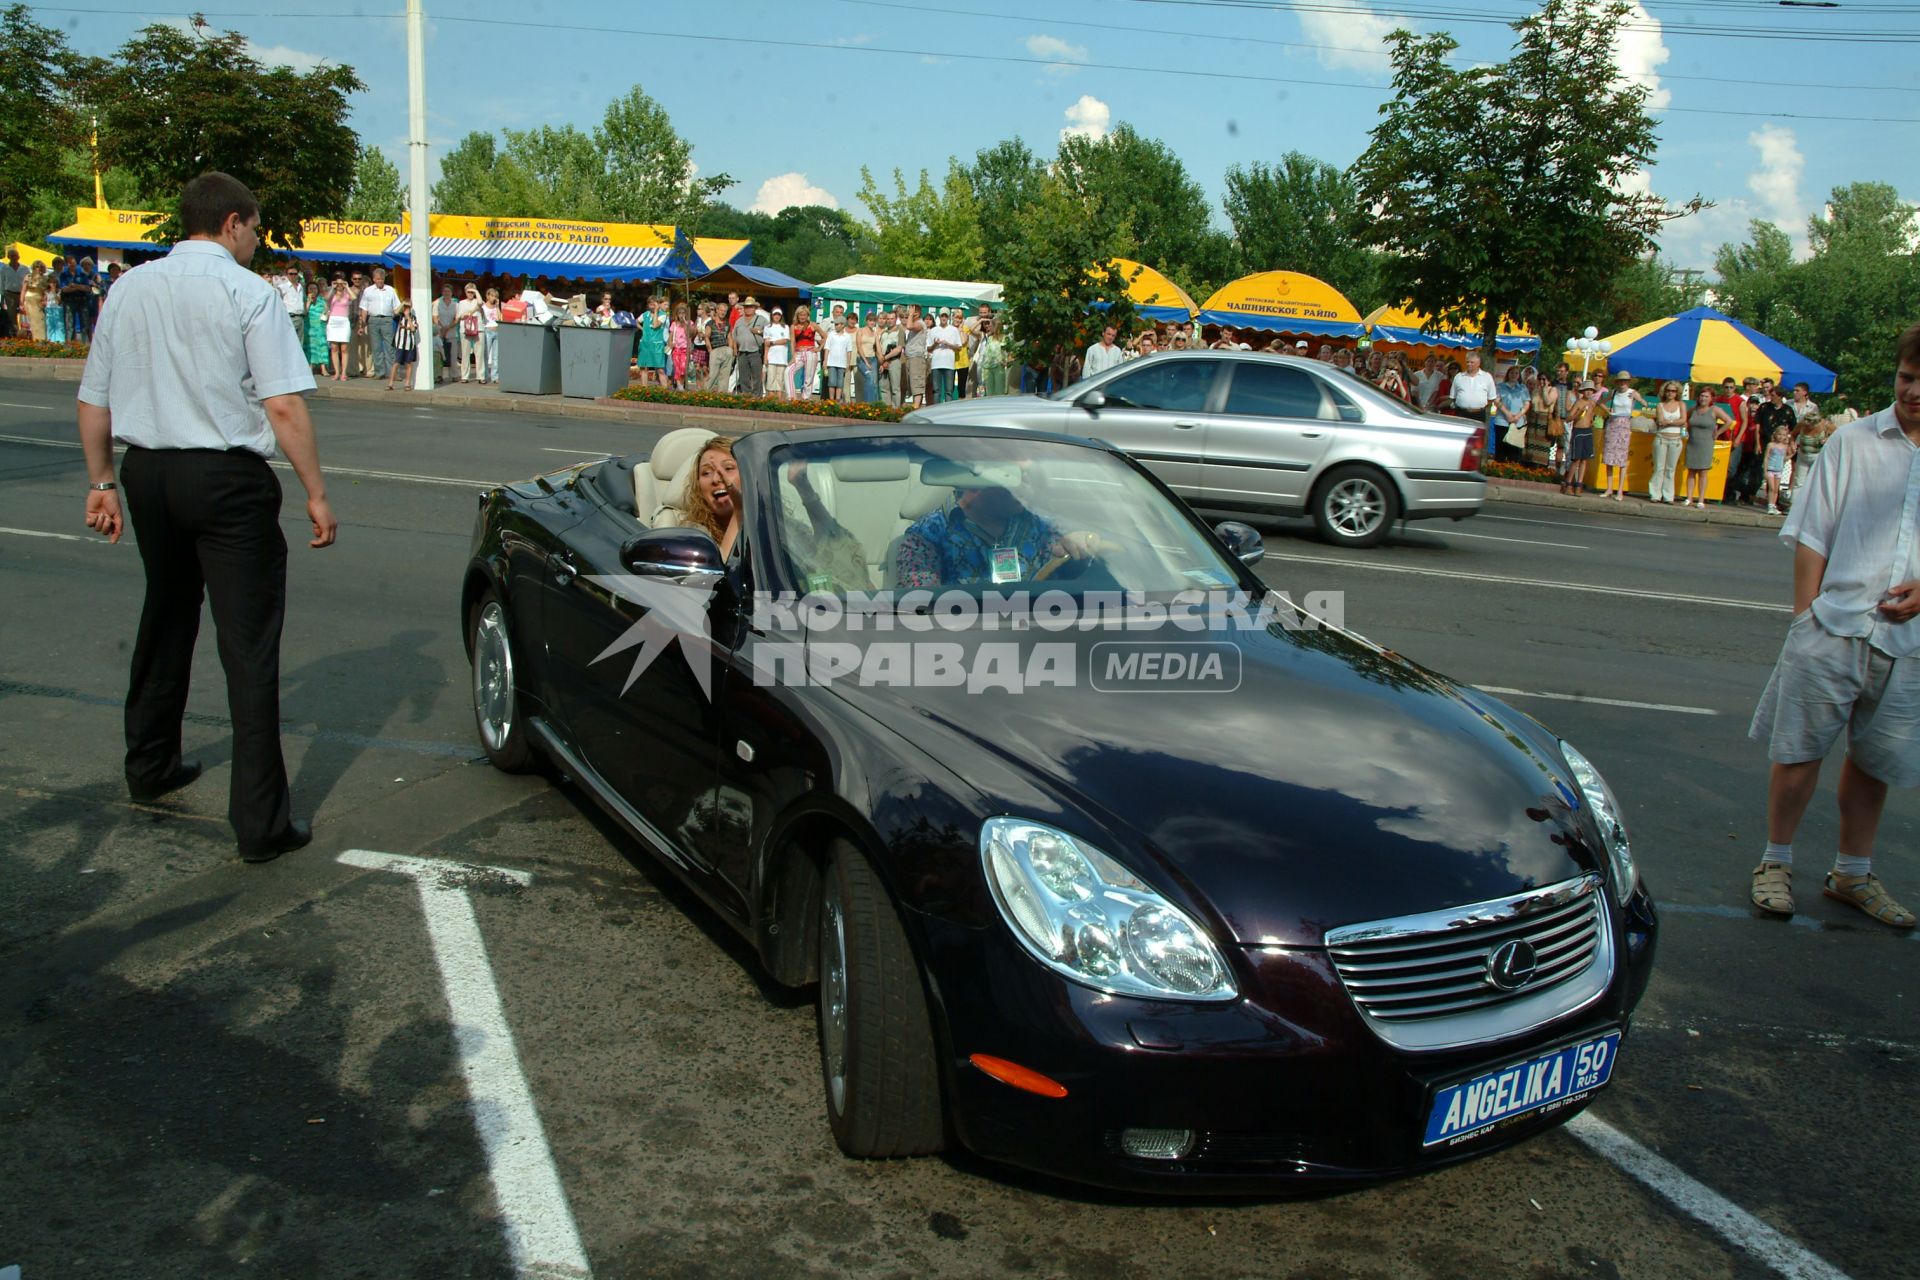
(712,497)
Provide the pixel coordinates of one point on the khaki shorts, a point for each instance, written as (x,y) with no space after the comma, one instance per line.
(917,376)
(1824,684)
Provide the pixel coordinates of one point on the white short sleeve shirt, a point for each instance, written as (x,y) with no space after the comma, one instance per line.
(1859,507)
(190,347)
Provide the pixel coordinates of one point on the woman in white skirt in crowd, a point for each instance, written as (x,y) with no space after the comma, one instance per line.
(778,344)
(1669,440)
(339,326)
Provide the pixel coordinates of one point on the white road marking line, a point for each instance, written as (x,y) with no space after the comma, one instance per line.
(1604,702)
(1770,1032)
(16,404)
(1720,911)
(1590,588)
(1569,524)
(41,533)
(590,453)
(407,477)
(540,1229)
(1700,1202)
(1488,537)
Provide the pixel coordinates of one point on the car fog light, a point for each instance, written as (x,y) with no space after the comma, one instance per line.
(1156,1144)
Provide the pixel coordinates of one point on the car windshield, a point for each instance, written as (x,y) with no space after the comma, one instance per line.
(989,512)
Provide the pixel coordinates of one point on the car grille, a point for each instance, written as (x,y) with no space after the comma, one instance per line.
(1422,981)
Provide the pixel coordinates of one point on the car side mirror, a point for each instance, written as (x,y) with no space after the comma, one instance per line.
(1243,541)
(673,553)
(1093,401)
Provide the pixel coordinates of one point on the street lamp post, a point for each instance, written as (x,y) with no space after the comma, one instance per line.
(1586,348)
(420,288)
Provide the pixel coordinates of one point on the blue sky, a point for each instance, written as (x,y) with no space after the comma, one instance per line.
(792,98)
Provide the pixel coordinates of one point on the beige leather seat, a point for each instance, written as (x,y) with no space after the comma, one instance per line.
(865,498)
(657,484)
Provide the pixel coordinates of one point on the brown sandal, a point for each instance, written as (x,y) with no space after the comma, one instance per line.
(1773,888)
(1869,895)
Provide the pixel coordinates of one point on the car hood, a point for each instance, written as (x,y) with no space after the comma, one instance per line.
(1337,783)
(990,409)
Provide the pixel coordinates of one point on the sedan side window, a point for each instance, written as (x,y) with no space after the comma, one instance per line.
(1176,386)
(1262,390)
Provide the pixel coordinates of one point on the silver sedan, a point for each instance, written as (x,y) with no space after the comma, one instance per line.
(1263,434)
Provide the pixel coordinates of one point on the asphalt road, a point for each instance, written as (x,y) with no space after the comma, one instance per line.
(212,1069)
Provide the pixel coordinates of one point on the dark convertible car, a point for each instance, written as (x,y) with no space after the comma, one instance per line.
(1106,860)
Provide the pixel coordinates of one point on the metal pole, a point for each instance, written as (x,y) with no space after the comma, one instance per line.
(421,287)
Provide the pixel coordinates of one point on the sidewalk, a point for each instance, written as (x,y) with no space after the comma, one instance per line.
(736,421)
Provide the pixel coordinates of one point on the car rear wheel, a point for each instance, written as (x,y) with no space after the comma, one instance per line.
(1355,506)
(496,691)
(876,1042)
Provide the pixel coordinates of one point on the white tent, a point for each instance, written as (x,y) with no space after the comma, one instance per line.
(901,290)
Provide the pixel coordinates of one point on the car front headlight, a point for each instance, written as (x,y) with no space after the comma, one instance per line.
(1084,915)
(1607,817)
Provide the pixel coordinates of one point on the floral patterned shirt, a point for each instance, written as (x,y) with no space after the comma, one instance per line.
(946,548)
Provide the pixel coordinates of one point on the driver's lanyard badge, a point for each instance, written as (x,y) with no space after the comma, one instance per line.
(1006,564)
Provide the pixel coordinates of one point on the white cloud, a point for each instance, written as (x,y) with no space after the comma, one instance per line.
(1059,54)
(1777,181)
(785,190)
(1640,54)
(1351,34)
(271,55)
(1087,118)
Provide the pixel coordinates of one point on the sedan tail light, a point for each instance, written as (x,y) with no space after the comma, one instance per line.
(1476,448)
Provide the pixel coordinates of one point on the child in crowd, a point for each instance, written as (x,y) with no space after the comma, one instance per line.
(1777,451)
(406,347)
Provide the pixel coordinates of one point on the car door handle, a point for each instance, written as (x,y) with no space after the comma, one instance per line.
(564,570)
(1186,426)
(1311,435)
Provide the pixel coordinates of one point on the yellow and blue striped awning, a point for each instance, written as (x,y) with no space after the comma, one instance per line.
(1702,345)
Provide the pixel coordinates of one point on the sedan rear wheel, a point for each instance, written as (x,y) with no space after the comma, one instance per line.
(1355,506)
(496,692)
(876,1042)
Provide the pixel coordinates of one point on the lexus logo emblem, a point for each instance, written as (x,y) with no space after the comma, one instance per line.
(1511,965)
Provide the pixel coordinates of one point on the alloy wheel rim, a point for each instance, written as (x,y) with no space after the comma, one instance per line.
(833,998)
(493,690)
(1356,507)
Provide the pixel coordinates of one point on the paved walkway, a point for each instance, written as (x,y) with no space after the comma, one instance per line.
(735,421)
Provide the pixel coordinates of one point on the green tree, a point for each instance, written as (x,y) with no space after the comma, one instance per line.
(1645,290)
(176,104)
(1302,214)
(564,173)
(647,170)
(1861,288)
(377,194)
(809,242)
(1508,191)
(39,124)
(925,232)
(1006,178)
(1139,187)
(1055,304)
(1754,278)
(70,185)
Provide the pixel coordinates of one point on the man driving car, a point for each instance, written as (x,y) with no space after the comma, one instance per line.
(986,535)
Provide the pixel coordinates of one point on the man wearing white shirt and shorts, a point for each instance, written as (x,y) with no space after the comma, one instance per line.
(1851,662)
(378,302)
(195,370)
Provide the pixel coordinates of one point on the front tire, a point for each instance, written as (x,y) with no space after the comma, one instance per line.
(877,1056)
(1355,506)
(497,714)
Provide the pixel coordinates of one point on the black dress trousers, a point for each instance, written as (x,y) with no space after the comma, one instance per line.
(208,522)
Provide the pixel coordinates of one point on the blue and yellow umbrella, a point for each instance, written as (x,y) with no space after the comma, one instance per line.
(1702,345)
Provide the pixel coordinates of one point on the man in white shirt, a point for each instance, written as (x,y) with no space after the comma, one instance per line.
(293,296)
(942,341)
(194,370)
(1102,355)
(839,356)
(1851,661)
(378,302)
(1473,390)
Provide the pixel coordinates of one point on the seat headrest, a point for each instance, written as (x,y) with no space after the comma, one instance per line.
(922,499)
(674,449)
(862,467)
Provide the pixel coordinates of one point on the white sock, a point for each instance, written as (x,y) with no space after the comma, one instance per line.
(1845,866)
(1780,853)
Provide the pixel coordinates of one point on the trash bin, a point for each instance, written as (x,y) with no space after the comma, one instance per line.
(594,362)
(529,359)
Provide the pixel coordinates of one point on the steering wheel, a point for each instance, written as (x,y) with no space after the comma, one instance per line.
(1052,566)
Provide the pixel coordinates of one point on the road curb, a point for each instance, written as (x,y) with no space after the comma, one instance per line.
(1528,493)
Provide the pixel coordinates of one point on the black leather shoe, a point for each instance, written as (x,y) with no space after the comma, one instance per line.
(183,773)
(298,835)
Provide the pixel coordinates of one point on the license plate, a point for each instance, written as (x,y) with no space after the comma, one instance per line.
(1471,1108)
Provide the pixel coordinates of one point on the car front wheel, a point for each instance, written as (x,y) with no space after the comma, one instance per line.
(496,690)
(1355,506)
(876,1042)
